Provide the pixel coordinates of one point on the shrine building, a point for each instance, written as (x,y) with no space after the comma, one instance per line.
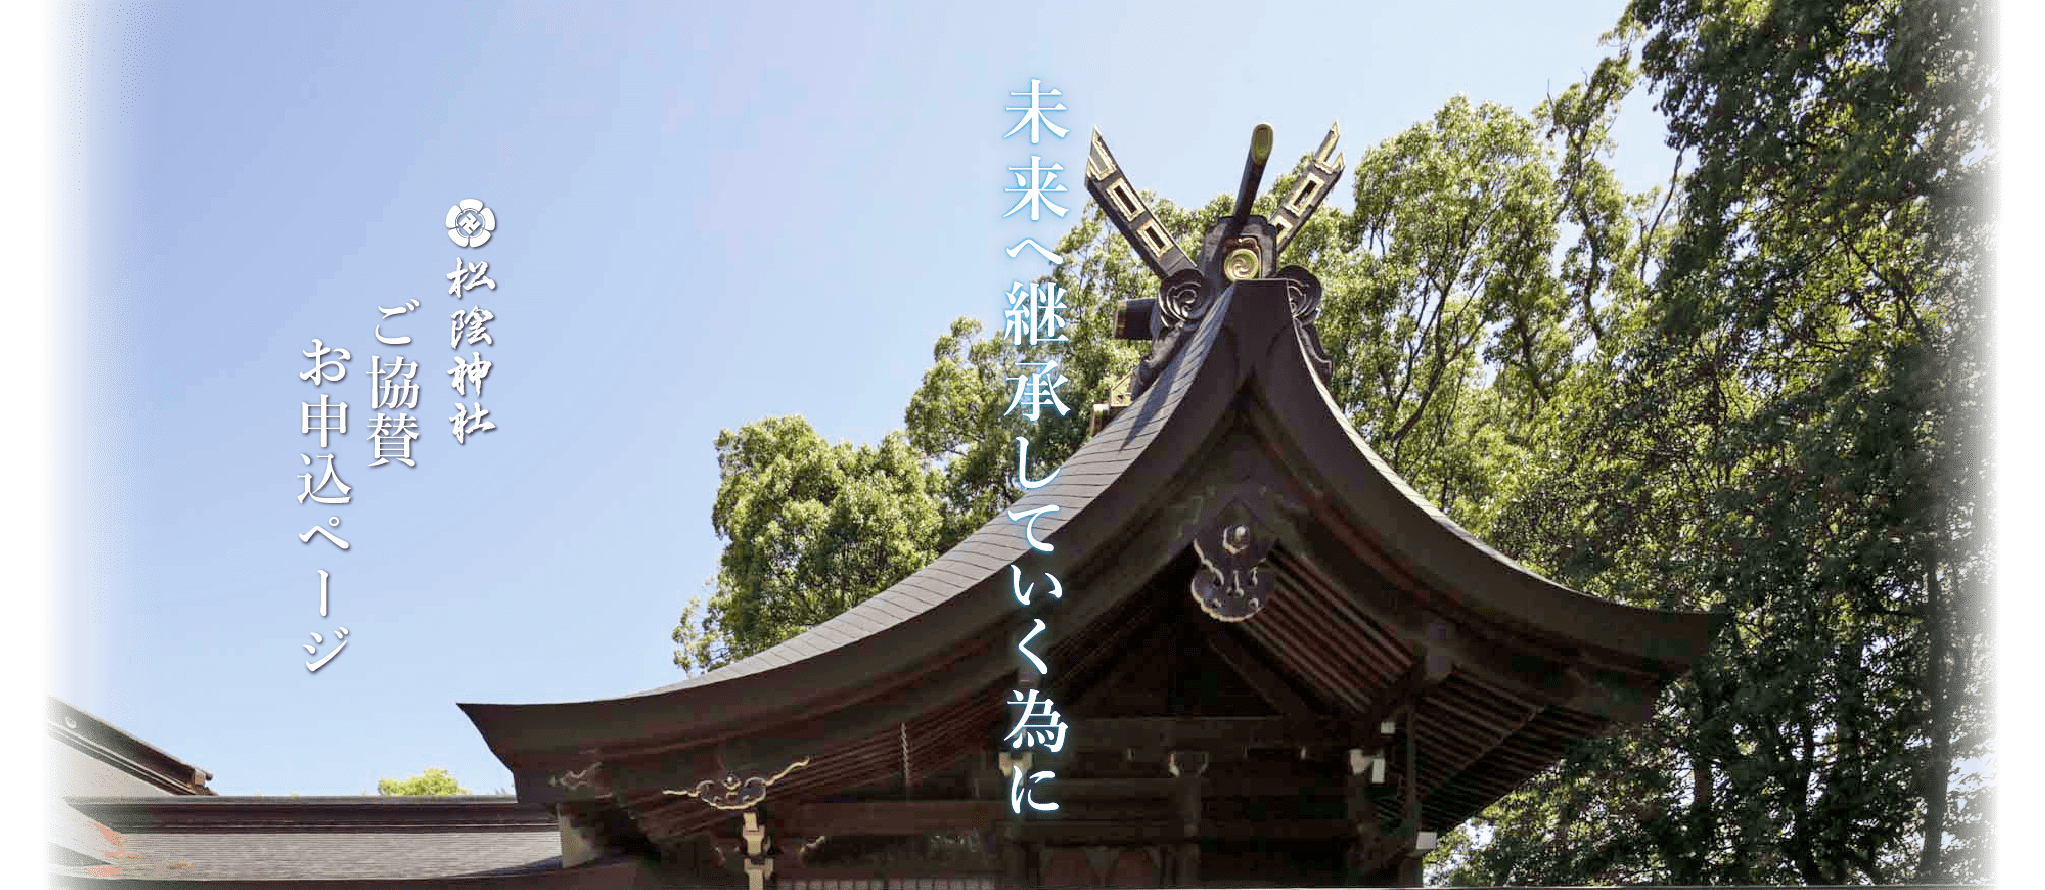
(1276,664)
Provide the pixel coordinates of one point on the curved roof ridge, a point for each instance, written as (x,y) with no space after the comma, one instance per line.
(1526,596)
(1105,485)
(1434,511)
(1115,445)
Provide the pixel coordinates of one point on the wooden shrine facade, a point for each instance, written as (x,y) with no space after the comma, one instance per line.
(1280,666)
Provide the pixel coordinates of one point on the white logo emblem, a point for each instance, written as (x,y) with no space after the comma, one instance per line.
(469,223)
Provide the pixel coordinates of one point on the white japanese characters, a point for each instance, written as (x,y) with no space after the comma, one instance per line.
(1034,313)
(1034,316)
(341,635)
(323,418)
(1038,390)
(329,478)
(467,277)
(1034,182)
(1029,520)
(1032,244)
(467,423)
(387,313)
(394,392)
(1038,726)
(1023,594)
(334,521)
(473,318)
(1022,467)
(391,386)
(469,326)
(471,374)
(392,437)
(321,364)
(327,417)
(1033,116)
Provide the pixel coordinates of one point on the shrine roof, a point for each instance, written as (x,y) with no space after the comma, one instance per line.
(921,639)
(897,611)
(304,841)
(107,759)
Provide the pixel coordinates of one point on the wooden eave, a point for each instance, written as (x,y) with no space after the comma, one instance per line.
(121,750)
(617,874)
(447,813)
(1376,568)
(317,842)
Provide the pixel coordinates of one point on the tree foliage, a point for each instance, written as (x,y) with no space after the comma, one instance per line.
(1793,437)
(434,781)
(1757,390)
(812,528)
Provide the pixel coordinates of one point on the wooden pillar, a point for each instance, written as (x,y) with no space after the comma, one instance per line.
(1411,812)
(1015,859)
(759,865)
(1362,815)
(1186,767)
(1410,872)
(987,784)
(582,835)
(697,863)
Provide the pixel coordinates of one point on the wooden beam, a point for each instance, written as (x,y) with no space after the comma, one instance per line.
(1378,855)
(1133,321)
(879,873)
(1131,658)
(1015,860)
(892,818)
(1267,682)
(1186,767)
(1074,831)
(1409,820)
(1215,786)
(1433,667)
(1362,813)
(1411,872)
(583,839)
(1536,669)
(1449,773)
(1213,733)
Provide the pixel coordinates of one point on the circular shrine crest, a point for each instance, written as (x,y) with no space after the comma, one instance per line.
(469,223)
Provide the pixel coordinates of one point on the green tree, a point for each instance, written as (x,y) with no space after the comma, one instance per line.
(811,529)
(1451,329)
(1758,392)
(1794,436)
(1437,287)
(1447,325)
(434,781)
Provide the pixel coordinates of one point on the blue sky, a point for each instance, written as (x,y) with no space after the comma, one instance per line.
(704,218)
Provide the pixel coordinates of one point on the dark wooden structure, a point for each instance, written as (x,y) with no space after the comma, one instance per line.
(1280,665)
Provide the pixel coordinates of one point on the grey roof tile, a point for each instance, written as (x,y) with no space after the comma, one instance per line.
(365,838)
(302,855)
(1102,458)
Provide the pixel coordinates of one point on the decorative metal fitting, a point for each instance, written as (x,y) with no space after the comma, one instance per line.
(1233,581)
(737,794)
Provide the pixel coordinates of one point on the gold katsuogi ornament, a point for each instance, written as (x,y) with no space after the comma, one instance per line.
(1233,582)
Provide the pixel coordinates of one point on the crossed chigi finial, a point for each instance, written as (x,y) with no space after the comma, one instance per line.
(1239,247)
(1224,249)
